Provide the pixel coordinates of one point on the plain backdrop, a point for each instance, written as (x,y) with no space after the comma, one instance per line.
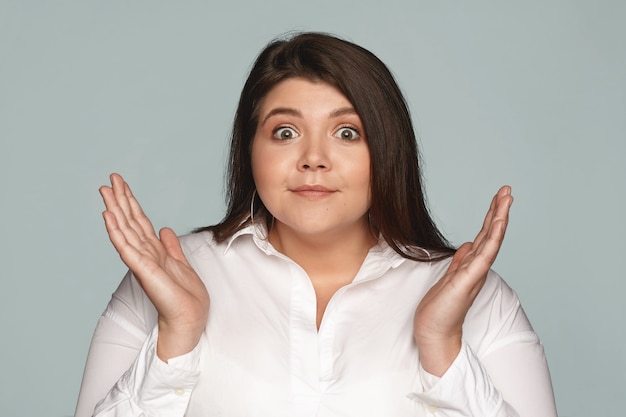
(531,94)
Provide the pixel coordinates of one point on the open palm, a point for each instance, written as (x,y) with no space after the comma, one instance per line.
(160,267)
(440,314)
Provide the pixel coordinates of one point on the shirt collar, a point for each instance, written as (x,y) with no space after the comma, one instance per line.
(383,250)
(255,229)
(258,231)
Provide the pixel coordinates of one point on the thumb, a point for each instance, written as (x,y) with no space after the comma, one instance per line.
(172,244)
(459,255)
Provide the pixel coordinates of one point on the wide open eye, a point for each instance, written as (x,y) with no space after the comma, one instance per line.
(285,133)
(347,133)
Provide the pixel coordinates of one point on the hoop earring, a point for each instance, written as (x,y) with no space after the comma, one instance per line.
(271,226)
(252,207)
(371,224)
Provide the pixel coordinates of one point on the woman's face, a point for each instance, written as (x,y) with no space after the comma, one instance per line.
(310,160)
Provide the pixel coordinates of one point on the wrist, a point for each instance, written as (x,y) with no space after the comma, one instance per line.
(176,341)
(436,355)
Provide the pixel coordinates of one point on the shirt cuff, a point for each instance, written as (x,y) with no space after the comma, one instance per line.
(155,387)
(464,389)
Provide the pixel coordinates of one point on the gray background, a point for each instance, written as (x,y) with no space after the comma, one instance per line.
(532,94)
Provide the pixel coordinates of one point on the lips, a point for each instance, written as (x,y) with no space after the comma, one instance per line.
(317,188)
(313,191)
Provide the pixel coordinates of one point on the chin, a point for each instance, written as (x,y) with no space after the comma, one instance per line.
(324,228)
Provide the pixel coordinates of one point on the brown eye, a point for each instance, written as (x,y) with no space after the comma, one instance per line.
(285,133)
(347,133)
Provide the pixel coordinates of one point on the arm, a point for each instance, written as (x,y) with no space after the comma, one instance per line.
(118,337)
(164,283)
(438,325)
(160,267)
(454,379)
(501,370)
(520,371)
(123,373)
(151,387)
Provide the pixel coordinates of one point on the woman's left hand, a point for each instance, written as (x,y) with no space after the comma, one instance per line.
(440,315)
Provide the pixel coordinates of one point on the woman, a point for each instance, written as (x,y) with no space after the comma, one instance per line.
(332,293)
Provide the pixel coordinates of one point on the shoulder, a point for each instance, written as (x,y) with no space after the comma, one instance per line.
(207,256)
(204,243)
(494,288)
(495,315)
(202,250)
(195,243)
(427,272)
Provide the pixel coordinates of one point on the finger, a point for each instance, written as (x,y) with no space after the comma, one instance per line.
(504,203)
(108,197)
(149,274)
(476,265)
(490,247)
(459,256)
(129,218)
(139,216)
(124,196)
(118,238)
(498,221)
(493,213)
(489,216)
(119,190)
(172,245)
(477,258)
(121,221)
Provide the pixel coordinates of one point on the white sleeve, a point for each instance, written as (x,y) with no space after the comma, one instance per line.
(123,373)
(501,370)
(512,381)
(152,387)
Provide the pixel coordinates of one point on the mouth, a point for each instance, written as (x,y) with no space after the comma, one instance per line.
(313,191)
(317,188)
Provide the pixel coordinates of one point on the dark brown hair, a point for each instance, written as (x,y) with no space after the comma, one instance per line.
(399,211)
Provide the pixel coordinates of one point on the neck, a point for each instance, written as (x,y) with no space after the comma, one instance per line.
(324,252)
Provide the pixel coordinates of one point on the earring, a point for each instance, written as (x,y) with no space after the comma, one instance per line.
(252,207)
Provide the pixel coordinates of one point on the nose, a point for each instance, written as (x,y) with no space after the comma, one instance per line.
(314,155)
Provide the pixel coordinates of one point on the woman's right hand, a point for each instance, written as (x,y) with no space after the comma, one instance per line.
(158,263)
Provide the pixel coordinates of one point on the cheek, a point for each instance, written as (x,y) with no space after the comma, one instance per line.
(266,169)
(361,172)
(259,163)
(367,185)
(366,179)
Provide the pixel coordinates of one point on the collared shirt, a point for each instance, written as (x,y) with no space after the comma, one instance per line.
(262,354)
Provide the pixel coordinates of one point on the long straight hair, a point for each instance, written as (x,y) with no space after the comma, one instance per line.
(399,212)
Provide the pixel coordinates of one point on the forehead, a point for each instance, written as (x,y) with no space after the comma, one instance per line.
(303,94)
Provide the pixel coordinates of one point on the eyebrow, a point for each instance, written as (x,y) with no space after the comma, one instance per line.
(342,112)
(297,113)
(282,110)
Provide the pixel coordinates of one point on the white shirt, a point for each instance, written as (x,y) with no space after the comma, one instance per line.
(262,355)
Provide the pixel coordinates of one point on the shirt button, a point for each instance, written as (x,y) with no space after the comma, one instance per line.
(432,408)
(179,391)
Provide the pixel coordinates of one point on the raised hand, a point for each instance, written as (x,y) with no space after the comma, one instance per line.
(161,269)
(440,314)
